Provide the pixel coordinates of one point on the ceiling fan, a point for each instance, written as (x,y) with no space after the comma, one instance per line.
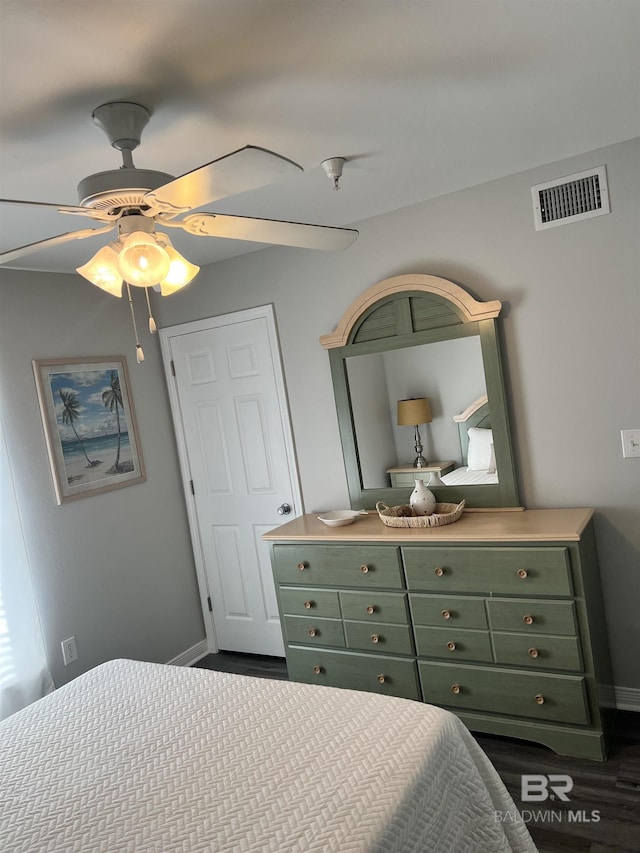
(132,202)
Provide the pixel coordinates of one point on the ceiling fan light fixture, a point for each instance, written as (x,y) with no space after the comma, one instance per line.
(142,262)
(102,270)
(181,272)
(333,168)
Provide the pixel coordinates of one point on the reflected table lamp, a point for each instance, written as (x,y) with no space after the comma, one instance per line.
(414,412)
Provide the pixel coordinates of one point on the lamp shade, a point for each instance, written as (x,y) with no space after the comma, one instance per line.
(414,411)
(181,272)
(142,262)
(102,271)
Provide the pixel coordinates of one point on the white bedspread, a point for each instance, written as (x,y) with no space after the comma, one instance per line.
(466,477)
(143,757)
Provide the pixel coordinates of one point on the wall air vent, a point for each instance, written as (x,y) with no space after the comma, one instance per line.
(569,199)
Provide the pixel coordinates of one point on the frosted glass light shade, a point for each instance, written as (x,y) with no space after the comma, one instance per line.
(102,270)
(414,411)
(142,262)
(181,272)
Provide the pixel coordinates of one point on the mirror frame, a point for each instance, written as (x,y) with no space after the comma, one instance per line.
(391,315)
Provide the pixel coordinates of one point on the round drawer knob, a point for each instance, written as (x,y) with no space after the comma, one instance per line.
(302,566)
(455,688)
(308,605)
(446,614)
(371,608)
(375,638)
(439,572)
(539,699)
(528,620)
(533,653)
(451,647)
(313,632)
(364,569)
(522,574)
(318,670)
(382,678)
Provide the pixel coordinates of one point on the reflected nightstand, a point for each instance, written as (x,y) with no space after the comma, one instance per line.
(405,475)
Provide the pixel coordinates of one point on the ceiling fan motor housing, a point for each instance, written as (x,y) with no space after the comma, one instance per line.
(123,123)
(120,188)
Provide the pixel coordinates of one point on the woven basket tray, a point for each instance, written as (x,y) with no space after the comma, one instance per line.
(443,514)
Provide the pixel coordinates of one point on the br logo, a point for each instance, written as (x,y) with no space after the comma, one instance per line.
(536,787)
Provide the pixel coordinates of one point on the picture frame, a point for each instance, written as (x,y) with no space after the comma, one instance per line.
(89,425)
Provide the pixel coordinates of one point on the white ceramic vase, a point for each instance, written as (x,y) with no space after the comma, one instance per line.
(422,501)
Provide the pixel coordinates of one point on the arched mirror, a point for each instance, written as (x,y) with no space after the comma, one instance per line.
(420,348)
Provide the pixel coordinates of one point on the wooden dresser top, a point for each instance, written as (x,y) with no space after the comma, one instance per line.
(548,525)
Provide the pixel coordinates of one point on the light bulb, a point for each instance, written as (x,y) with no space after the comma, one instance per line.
(181,272)
(142,262)
(102,270)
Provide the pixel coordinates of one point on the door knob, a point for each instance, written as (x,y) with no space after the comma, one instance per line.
(284,509)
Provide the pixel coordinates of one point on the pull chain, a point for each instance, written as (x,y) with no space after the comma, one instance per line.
(139,352)
(152,323)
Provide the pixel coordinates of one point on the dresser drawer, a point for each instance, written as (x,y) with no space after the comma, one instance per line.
(379,637)
(558,698)
(532,617)
(338,565)
(375,606)
(374,673)
(454,643)
(313,631)
(516,571)
(449,610)
(539,652)
(298,601)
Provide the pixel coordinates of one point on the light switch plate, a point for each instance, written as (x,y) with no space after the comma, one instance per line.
(630,442)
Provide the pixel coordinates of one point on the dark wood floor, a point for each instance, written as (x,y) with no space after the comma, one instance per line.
(610,788)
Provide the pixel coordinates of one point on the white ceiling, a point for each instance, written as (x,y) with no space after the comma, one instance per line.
(422,98)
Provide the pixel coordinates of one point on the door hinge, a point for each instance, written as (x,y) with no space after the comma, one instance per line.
(193,491)
(209,604)
(173,367)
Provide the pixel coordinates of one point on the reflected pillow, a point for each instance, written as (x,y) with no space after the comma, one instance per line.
(480,456)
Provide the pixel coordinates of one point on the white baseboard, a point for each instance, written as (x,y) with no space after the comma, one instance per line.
(192,655)
(627,699)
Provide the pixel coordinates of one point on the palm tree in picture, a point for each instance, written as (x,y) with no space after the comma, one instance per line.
(70,414)
(112,399)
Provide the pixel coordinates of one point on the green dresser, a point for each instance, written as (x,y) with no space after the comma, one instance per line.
(497,618)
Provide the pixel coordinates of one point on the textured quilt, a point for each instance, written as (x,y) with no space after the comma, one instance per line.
(143,757)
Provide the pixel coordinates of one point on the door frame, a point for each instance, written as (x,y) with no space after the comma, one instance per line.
(266,312)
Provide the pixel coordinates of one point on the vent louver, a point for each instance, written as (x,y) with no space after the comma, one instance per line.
(569,199)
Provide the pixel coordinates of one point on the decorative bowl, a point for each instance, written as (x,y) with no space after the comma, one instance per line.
(340,517)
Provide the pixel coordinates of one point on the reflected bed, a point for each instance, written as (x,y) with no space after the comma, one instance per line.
(143,757)
(476,446)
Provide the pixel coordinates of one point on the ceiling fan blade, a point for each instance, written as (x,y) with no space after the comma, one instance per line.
(242,170)
(11,255)
(271,231)
(101,215)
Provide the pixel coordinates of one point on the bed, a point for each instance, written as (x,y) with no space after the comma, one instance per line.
(476,445)
(141,757)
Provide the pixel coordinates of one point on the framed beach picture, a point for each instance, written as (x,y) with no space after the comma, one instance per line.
(89,425)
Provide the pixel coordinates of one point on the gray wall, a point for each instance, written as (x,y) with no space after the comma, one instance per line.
(571,307)
(451,375)
(116,570)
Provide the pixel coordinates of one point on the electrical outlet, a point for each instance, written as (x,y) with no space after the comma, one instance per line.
(630,442)
(69,651)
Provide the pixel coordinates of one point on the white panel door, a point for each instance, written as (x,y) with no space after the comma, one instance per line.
(237,451)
